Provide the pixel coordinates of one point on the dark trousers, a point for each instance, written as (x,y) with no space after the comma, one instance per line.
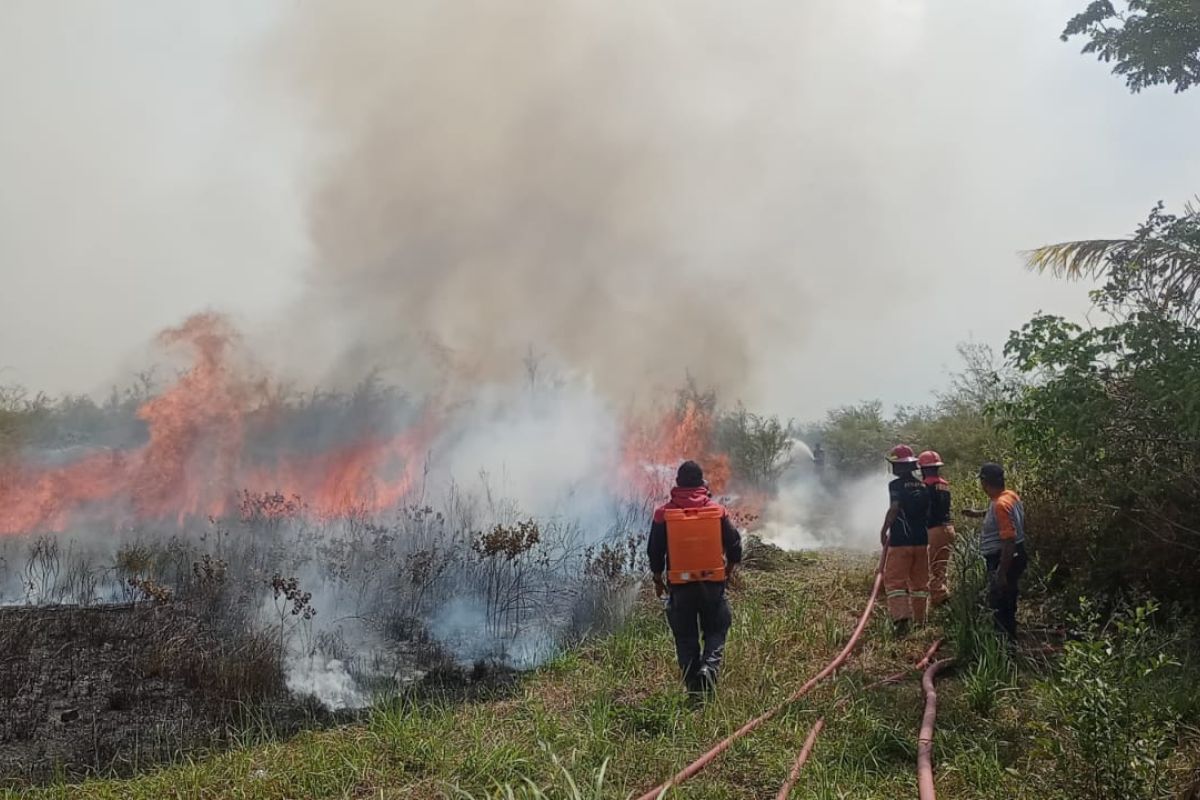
(696,609)
(1003,602)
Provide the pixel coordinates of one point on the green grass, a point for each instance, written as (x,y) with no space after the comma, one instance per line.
(609,719)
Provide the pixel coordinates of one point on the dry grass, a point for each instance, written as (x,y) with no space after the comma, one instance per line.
(615,704)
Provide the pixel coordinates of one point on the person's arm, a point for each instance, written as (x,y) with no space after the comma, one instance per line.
(1008,539)
(1007,548)
(656,549)
(731,541)
(888,519)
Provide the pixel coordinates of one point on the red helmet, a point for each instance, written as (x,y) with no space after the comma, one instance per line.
(929,458)
(901,454)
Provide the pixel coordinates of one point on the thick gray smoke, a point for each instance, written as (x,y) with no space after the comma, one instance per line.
(592,180)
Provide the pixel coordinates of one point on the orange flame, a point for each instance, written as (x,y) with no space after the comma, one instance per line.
(653,452)
(194,463)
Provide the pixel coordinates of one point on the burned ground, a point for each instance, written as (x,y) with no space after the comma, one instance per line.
(111,689)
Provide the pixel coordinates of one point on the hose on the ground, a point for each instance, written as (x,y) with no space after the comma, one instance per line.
(819,725)
(708,757)
(925,737)
(794,775)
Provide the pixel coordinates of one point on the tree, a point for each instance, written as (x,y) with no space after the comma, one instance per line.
(1108,426)
(1155,270)
(758,446)
(857,437)
(1150,42)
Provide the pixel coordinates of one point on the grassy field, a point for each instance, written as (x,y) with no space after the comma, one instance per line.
(615,706)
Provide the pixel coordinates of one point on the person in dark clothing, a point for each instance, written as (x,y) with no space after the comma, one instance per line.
(941,525)
(693,549)
(905,534)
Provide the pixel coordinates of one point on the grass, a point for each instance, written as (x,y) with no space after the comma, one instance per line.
(608,719)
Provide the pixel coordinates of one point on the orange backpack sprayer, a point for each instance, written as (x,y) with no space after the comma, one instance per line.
(694,551)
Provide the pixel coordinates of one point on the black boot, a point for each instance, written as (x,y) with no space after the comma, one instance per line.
(900,627)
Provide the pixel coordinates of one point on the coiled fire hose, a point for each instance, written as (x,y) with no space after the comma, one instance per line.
(925,737)
(819,725)
(720,747)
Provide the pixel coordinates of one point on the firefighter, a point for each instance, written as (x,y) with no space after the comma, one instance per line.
(693,549)
(1002,542)
(906,535)
(941,528)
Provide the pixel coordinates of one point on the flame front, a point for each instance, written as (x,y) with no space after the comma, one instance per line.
(194,462)
(653,451)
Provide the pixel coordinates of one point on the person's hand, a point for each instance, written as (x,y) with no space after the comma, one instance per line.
(660,588)
(733,580)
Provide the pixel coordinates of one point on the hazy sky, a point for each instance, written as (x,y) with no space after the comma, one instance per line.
(880,162)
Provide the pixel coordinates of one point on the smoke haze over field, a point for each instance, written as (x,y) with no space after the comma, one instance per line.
(763,196)
(531,218)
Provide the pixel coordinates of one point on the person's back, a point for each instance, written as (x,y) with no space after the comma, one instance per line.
(905,533)
(911,526)
(940,522)
(693,548)
(1004,520)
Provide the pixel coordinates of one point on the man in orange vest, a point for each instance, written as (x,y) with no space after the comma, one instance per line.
(693,542)
(1002,543)
(941,527)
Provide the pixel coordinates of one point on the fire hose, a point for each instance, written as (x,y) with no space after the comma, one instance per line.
(819,725)
(707,758)
(925,737)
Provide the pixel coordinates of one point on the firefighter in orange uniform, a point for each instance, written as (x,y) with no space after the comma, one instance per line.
(941,529)
(904,532)
(696,546)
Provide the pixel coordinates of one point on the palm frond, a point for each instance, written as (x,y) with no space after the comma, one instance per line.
(1075,260)
(1173,270)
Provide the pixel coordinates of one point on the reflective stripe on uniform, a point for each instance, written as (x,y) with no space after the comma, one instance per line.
(898,593)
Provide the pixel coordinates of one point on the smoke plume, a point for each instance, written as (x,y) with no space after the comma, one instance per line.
(587,180)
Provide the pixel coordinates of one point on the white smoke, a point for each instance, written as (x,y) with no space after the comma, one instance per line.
(550,449)
(814,509)
(327,679)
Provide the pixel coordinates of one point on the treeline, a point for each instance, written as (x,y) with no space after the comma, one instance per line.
(280,418)
(1098,424)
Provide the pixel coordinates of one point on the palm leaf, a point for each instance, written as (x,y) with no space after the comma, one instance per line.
(1174,269)
(1075,260)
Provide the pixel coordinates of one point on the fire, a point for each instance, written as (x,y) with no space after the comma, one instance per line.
(195,464)
(653,452)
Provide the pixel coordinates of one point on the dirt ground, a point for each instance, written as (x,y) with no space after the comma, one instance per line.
(111,689)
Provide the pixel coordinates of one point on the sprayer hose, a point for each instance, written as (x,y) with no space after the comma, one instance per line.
(720,747)
(925,737)
(819,725)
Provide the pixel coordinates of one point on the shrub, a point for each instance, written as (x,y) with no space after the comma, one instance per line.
(988,668)
(1106,699)
(758,446)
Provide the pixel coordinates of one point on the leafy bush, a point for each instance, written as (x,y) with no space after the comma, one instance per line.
(1107,701)
(856,437)
(758,446)
(1108,427)
(987,667)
